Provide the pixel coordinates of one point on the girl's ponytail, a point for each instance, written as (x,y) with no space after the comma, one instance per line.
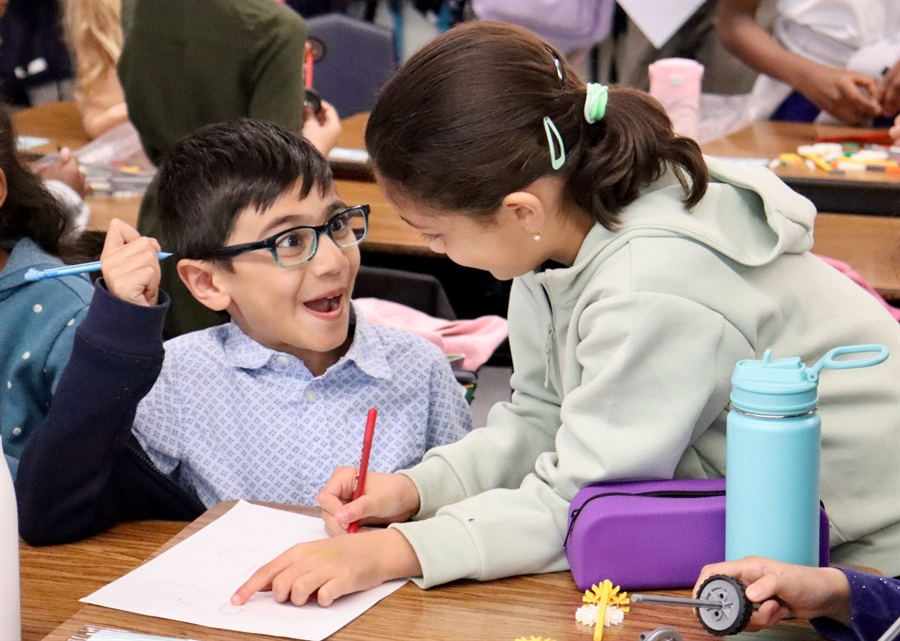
(632,146)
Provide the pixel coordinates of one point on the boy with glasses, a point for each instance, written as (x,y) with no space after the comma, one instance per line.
(264,407)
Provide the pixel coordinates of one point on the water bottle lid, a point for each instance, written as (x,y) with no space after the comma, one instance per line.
(776,387)
(785,386)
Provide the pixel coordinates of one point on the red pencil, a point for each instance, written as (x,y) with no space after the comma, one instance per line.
(360,488)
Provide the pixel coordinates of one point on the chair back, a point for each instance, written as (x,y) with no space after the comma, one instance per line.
(358,57)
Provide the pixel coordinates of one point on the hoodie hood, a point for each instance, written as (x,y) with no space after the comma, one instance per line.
(747,214)
(25,255)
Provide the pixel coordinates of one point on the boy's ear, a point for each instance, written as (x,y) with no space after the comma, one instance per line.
(526,209)
(201,278)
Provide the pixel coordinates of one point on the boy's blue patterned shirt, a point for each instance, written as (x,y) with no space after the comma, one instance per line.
(231,419)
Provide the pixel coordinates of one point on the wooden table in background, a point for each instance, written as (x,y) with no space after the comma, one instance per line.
(866,192)
(538,605)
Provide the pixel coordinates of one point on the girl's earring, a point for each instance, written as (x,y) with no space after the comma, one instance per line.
(537,236)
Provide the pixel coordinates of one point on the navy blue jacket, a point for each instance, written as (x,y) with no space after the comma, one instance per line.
(82,470)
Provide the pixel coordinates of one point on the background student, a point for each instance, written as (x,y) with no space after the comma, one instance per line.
(840,57)
(642,273)
(188,63)
(841,603)
(37,319)
(94,31)
(264,407)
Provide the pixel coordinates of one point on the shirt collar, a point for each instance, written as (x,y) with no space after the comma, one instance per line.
(366,350)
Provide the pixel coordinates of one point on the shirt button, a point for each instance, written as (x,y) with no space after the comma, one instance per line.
(311,396)
(16,431)
(282,360)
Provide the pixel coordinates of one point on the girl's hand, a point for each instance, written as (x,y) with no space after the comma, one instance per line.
(130,265)
(333,568)
(839,92)
(322,129)
(784,589)
(389,498)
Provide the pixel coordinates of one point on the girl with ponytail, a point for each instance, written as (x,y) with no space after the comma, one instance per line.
(642,273)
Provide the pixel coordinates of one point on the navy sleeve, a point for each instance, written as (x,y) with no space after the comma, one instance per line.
(874,606)
(82,470)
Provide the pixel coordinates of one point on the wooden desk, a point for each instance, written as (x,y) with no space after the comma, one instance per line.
(54,578)
(856,193)
(539,605)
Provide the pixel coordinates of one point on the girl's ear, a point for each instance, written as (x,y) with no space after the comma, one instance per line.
(526,209)
(3,190)
(201,278)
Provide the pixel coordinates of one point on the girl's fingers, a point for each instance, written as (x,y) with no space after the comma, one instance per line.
(332,590)
(333,527)
(338,489)
(262,579)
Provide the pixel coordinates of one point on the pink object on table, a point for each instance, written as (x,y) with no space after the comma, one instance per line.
(475,339)
(849,272)
(675,82)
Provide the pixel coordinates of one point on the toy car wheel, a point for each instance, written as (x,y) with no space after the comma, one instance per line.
(734,615)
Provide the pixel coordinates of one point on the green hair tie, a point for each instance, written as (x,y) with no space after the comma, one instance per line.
(595,102)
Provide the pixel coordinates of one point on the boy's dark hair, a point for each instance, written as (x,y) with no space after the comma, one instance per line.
(30,211)
(460,127)
(219,170)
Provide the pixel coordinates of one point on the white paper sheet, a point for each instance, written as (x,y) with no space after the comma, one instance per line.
(660,19)
(194,580)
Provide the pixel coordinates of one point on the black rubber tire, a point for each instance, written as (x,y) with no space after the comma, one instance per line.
(730,619)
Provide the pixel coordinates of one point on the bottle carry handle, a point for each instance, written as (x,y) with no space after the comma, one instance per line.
(812,374)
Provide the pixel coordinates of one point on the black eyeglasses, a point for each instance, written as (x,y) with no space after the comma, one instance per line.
(298,245)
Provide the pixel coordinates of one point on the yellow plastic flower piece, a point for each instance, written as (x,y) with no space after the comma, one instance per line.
(603,596)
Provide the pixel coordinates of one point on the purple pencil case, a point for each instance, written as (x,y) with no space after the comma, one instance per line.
(651,534)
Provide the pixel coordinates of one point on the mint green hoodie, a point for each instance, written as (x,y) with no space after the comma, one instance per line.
(622,368)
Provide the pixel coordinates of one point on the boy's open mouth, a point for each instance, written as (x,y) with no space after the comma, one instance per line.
(326,304)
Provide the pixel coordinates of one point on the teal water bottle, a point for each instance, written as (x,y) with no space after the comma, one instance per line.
(773,441)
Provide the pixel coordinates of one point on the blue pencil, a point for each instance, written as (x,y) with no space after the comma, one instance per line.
(68,270)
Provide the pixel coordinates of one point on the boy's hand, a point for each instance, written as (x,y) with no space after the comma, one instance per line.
(388,498)
(783,589)
(333,567)
(130,265)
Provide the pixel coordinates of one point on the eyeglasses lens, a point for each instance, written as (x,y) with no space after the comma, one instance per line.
(297,246)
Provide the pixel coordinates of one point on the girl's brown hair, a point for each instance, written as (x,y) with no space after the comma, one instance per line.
(461,126)
(30,211)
